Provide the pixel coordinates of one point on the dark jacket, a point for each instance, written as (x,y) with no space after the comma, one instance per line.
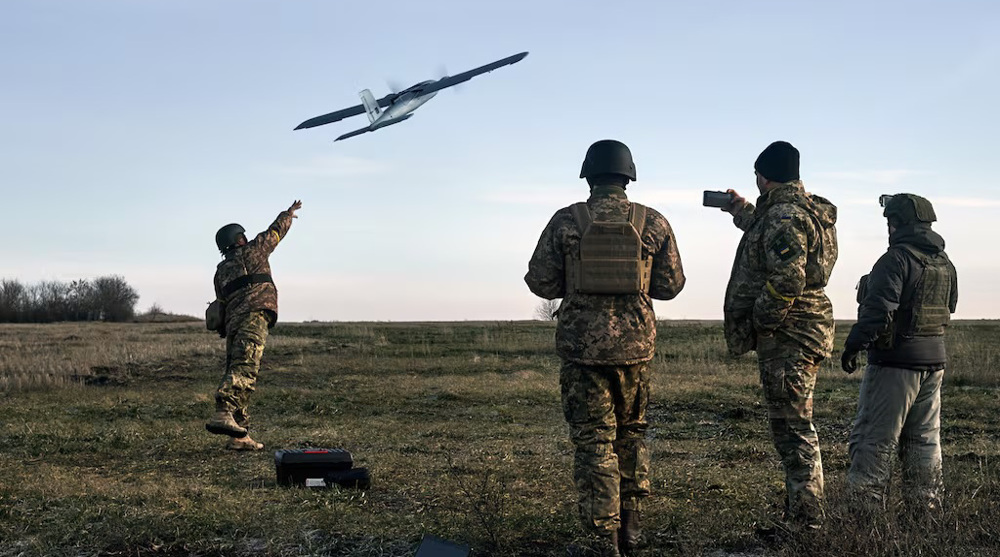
(890,293)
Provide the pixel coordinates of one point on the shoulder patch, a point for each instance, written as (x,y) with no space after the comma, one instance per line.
(783,248)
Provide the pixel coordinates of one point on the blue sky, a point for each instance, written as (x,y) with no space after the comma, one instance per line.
(130,131)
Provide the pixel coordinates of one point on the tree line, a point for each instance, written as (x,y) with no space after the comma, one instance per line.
(107,298)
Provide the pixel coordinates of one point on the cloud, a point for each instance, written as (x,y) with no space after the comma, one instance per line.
(881,177)
(976,202)
(546,196)
(669,196)
(967,202)
(336,166)
(549,196)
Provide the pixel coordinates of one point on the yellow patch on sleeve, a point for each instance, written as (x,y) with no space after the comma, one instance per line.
(773,292)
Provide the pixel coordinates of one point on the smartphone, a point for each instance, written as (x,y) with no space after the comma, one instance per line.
(717,199)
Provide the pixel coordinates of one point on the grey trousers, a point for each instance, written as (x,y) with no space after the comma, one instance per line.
(899,412)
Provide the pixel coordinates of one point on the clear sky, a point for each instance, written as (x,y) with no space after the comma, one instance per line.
(130,131)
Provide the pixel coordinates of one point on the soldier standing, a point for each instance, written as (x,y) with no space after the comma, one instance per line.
(243,284)
(905,304)
(775,304)
(607,259)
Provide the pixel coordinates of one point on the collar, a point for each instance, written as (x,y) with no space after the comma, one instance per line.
(782,192)
(615,192)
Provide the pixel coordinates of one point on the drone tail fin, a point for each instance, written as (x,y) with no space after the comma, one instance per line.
(371,105)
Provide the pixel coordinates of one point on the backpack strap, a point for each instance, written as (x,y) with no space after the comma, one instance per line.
(916,253)
(637,216)
(581,214)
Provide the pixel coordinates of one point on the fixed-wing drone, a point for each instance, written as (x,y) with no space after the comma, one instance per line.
(396,107)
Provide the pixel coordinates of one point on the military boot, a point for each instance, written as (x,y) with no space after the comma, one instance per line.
(223,423)
(242,418)
(244,443)
(630,533)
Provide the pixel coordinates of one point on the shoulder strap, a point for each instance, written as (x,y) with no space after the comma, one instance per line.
(581,214)
(919,255)
(637,216)
(243,282)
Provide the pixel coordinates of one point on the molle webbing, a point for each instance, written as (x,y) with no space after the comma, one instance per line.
(610,259)
(243,282)
(927,313)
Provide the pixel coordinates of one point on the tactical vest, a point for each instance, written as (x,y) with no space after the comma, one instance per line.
(926,311)
(610,259)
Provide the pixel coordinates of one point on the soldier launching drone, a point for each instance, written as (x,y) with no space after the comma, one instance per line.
(246,307)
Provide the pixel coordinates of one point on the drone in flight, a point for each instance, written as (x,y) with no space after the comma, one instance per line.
(398,106)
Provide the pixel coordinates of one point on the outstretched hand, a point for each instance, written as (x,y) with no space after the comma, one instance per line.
(736,205)
(294,207)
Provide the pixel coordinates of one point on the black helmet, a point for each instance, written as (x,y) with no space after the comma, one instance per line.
(608,156)
(907,208)
(228,235)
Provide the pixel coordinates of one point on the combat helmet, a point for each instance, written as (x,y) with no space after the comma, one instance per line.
(228,235)
(907,208)
(608,156)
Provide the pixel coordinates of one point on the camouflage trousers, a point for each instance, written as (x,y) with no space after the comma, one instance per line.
(899,411)
(244,348)
(605,407)
(788,378)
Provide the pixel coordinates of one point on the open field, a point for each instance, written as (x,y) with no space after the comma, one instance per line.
(103,449)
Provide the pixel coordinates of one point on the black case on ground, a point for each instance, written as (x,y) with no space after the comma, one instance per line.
(295,466)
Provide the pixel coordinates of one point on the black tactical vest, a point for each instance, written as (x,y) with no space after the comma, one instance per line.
(925,313)
(924,310)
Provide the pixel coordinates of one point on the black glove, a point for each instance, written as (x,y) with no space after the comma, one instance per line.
(849,360)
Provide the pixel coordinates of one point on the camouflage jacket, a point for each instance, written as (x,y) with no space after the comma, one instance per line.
(597,329)
(783,262)
(251,259)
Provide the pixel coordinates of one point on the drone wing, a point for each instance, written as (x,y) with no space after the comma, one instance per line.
(344,113)
(446,82)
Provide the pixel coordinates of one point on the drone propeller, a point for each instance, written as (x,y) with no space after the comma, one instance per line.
(443,73)
(394,85)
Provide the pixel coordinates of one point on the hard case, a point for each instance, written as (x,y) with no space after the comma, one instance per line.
(295,466)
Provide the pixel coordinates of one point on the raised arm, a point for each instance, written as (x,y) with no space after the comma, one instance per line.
(268,239)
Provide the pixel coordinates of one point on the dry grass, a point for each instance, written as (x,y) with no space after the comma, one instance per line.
(461,427)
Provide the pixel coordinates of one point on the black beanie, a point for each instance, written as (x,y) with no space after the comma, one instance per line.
(779,162)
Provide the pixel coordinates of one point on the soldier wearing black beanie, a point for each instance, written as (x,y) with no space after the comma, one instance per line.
(779,162)
(776,305)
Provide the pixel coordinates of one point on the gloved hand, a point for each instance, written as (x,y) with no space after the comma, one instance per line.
(849,360)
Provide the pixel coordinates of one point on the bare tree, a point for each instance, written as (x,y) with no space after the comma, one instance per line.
(107,298)
(154,312)
(547,310)
(12,300)
(115,298)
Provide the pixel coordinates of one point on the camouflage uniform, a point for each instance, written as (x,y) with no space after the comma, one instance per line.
(250,312)
(775,304)
(606,343)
